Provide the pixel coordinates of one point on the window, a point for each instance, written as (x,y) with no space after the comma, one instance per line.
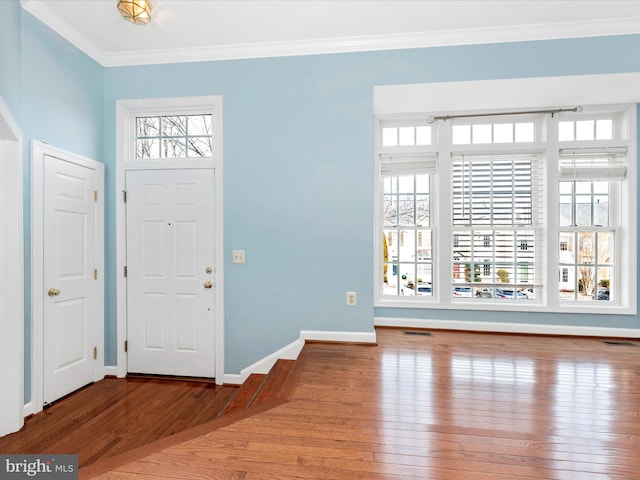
(174,136)
(480,205)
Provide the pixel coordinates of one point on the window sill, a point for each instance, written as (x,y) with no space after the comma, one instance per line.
(505,306)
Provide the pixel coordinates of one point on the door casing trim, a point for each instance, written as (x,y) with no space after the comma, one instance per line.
(126,110)
(12,320)
(38,152)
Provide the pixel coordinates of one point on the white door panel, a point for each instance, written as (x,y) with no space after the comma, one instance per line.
(170,246)
(69,262)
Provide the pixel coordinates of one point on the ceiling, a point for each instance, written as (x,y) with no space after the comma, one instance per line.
(192,30)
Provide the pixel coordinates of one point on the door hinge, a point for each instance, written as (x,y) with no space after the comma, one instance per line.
(124,196)
(95,273)
(95,353)
(95,195)
(125,270)
(126,346)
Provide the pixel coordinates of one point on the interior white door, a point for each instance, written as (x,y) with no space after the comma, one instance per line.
(170,272)
(69,261)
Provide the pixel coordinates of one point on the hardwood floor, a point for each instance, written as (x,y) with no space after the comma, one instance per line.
(452,406)
(115,415)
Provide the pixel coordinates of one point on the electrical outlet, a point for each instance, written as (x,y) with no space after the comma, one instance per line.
(352,299)
(238,256)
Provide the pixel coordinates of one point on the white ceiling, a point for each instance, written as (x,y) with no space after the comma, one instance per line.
(198,30)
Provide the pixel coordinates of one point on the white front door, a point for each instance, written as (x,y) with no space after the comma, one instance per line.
(69,249)
(170,272)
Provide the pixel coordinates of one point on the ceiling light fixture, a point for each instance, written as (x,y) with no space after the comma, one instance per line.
(136,11)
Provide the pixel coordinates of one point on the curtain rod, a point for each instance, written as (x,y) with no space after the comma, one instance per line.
(433,118)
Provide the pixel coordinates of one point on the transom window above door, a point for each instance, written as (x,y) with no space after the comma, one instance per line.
(174,136)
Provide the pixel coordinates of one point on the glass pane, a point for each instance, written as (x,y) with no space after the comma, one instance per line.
(199,146)
(567,249)
(389,278)
(406,184)
(174,126)
(390,211)
(481,133)
(586,247)
(605,288)
(199,125)
(585,130)
(423,135)
(566,187)
(386,184)
(604,129)
(424,246)
(389,137)
(461,134)
(406,136)
(173,148)
(586,282)
(148,148)
(583,187)
(406,277)
(565,131)
(567,282)
(422,183)
(525,132)
(406,210)
(600,187)
(147,126)
(503,133)
(565,210)
(601,210)
(605,248)
(422,210)
(583,210)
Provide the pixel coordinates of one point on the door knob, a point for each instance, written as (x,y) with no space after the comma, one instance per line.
(53,292)
(208,284)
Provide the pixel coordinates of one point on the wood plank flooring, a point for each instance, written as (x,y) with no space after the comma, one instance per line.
(113,416)
(452,406)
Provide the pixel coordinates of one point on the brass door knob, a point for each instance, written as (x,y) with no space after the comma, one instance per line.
(208,284)
(53,292)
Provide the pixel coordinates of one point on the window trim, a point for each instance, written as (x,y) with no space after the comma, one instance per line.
(625,219)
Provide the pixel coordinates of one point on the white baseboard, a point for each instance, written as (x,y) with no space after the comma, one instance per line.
(291,351)
(498,327)
(29,409)
(111,371)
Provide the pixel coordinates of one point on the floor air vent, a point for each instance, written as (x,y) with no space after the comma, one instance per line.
(417,332)
(620,344)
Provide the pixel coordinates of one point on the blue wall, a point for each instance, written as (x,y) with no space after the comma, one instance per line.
(298,164)
(56,94)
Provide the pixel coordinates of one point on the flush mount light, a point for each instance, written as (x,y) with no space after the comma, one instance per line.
(136,11)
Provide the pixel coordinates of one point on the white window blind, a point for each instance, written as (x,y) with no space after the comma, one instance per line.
(592,163)
(408,164)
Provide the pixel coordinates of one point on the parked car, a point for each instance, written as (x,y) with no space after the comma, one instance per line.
(461,291)
(602,295)
(484,293)
(509,293)
(424,289)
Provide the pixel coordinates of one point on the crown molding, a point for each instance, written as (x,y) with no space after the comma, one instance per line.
(442,38)
(62,28)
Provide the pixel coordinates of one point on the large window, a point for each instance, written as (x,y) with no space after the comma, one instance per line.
(513,211)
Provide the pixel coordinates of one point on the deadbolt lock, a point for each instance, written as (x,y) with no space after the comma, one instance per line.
(53,292)
(208,284)
(208,270)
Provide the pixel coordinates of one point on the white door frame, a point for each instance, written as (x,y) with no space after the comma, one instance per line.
(126,111)
(38,152)
(12,409)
